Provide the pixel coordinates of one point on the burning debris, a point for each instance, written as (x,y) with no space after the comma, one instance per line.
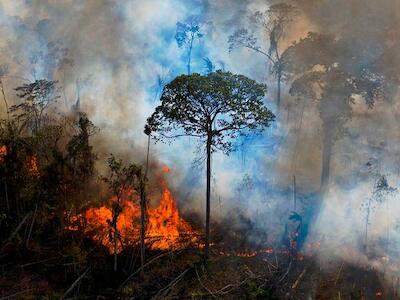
(165,228)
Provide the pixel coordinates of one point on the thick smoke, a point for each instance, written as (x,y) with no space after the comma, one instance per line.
(115,56)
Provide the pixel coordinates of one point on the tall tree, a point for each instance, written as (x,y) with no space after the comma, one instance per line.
(274,22)
(186,33)
(214,108)
(322,71)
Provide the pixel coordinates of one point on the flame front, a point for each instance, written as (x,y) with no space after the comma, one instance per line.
(165,226)
(165,229)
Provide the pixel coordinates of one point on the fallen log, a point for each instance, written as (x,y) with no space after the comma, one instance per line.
(296,283)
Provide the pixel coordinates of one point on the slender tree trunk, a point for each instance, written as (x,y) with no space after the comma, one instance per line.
(298,134)
(207,235)
(278,88)
(387,226)
(190,53)
(189,59)
(366,225)
(143,210)
(115,247)
(326,162)
(294,193)
(6,192)
(142,224)
(116,212)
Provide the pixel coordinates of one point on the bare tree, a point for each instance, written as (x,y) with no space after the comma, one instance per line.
(274,22)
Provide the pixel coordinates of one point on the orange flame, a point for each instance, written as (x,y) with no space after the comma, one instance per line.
(3,152)
(165,229)
(165,226)
(32,163)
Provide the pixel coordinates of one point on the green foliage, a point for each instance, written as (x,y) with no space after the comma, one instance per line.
(219,105)
(187,31)
(320,71)
(322,59)
(123,180)
(48,168)
(37,97)
(122,177)
(79,152)
(254,291)
(208,65)
(380,194)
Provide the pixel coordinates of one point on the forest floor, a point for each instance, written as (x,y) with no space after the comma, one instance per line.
(41,273)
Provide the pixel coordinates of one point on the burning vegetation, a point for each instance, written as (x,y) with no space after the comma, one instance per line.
(305,207)
(165,228)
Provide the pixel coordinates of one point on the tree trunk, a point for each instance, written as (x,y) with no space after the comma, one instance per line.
(143,210)
(142,225)
(115,215)
(278,89)
(6,192)
(115,247)
(326,162)
(207,233)
(189,58)
(366,225)
(294,193)
(190,52)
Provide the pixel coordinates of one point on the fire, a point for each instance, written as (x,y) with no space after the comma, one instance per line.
(32,163)
(165,226)
(253,253)
(165,229)
(3,152)
(33,166)
(98,225)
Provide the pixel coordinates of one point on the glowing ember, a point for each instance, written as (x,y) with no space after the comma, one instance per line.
(3,152)
(33,166)
(253,253)
(165,227)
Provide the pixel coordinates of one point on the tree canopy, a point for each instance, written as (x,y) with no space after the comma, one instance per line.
(220,104)
(216,108)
